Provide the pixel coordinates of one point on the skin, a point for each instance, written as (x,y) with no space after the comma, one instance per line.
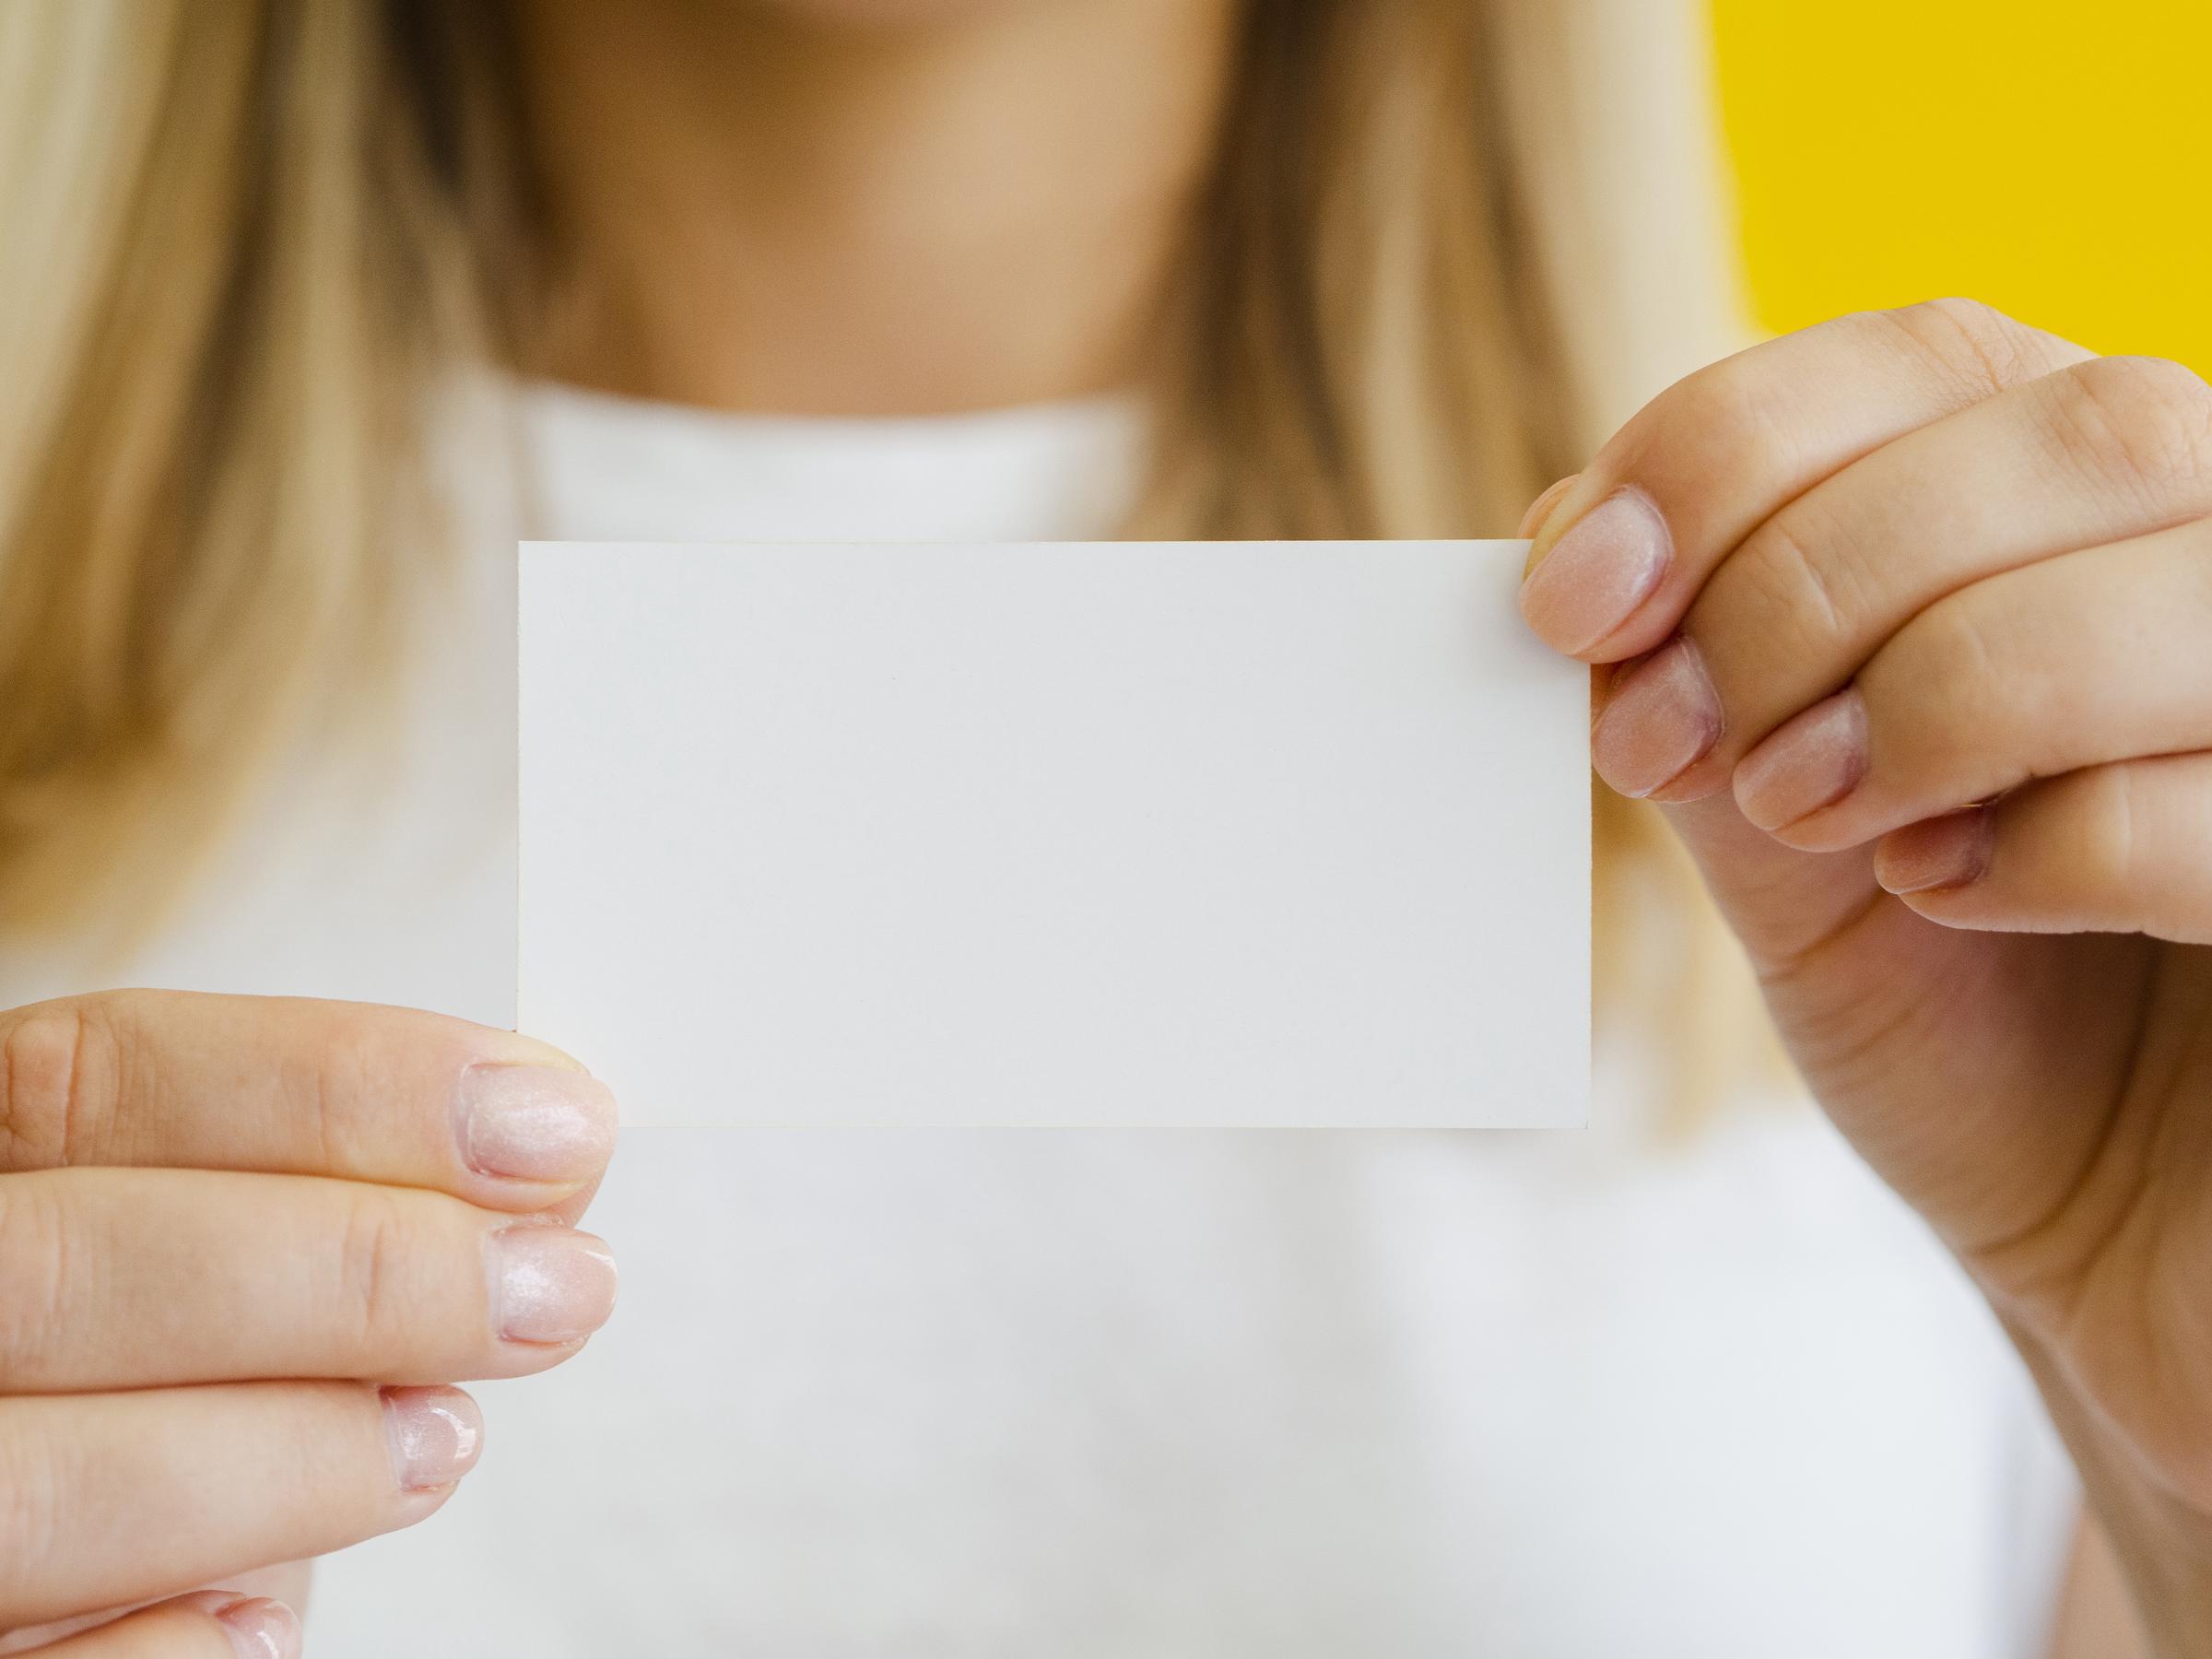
(244,1246)
(1905,504)
(1923,559)
(862,206)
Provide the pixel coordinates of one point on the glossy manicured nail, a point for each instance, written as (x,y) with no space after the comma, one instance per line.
(1660,720)
(435,1434)
(534,1123)
(550,1284)
(1540,509)
(1598,574)
(1811,761)
(261,1628)
(1949,851)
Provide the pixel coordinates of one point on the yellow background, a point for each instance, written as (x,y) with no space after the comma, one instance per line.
(2054,159)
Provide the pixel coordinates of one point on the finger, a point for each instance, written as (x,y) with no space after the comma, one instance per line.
(288,1582)
(125,1278)
(2095,658)
(2125,848)
(1619,560)
(294,1085)
(108,1499)
(2103,452)
(207,1624)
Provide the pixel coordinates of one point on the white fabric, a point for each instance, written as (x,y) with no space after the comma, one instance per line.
(1166,1394)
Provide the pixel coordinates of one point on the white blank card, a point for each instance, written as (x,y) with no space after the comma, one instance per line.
(1248,833)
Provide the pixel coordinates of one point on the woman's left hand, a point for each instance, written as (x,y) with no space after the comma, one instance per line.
(1908,620)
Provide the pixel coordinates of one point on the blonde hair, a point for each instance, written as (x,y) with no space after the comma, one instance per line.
(1448,245)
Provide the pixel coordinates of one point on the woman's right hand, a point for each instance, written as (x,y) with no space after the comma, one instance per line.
(245,1243)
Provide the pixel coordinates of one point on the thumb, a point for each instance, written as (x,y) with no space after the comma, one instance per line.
(1919,1040)
(1784,904)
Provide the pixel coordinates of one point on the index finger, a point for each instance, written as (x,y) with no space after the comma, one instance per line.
(293,1086)
(1627,547)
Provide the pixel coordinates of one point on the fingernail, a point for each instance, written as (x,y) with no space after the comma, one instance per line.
(435,1434)
(1598,574)
(261,1628)
(1540,509)
(1949,852)
(550,1284)
(1811,761)
(534,1123)
(1660,720)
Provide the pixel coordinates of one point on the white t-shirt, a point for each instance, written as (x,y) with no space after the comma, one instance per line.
(926,1393)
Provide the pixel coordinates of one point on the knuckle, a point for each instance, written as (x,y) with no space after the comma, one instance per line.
(379,1295)
(1801,581)
(1971,345)
(53,1057)
(1950,661)
(2142,424)
(1740,409)
(350,1063)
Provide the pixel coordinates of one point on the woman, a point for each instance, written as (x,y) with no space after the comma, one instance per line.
(995,268)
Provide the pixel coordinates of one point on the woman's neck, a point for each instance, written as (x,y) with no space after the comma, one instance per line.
(762,209)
